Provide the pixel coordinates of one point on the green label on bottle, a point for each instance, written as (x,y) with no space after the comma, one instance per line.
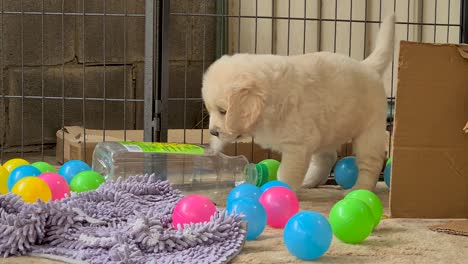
(157,147)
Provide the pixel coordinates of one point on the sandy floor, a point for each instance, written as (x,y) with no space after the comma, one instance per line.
(393,241)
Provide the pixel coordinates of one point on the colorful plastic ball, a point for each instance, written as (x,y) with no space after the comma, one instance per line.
(252,212)
(3,180)
(20,173)
(86,181)
(193,208)
(389,161)
(371,200)
(71,168)
(346,172)
(307,235)
(272,166)
(351,220)
(280,204)
(57,184)
(274,183)
(31,189)
(388,174)
(12,164)
(244,190)
(44,166)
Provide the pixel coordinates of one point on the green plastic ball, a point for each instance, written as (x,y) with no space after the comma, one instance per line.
(351,220)
(86,181)
(272,166)
(44,167)
(371,200)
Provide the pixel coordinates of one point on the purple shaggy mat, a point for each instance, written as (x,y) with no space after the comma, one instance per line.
(121,222)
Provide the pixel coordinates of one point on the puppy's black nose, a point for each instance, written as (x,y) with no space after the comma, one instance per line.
(214,132)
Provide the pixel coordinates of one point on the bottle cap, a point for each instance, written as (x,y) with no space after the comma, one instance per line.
(272,168)
(250,174)
(262,174)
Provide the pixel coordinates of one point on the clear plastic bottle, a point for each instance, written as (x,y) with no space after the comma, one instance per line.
(190,168)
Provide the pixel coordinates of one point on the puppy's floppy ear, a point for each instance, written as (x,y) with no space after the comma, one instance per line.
(245,105)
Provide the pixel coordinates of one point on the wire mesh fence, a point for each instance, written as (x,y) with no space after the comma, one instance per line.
(138,65)
(199,32)
(68,63)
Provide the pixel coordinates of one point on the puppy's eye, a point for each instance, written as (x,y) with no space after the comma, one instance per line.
(222,111)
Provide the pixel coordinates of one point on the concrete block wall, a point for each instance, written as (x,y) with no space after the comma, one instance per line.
(64,56)
(55,50)
(69,111)
(48,52)
(192,45)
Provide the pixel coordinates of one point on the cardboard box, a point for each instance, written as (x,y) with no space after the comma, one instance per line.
(70,142)
(253,152)
(73,145)
(430,148)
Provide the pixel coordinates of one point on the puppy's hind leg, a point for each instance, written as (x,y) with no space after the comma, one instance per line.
(370,154)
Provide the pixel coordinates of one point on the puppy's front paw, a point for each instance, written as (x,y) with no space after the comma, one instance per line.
(293,167)
(360,186)
(284,176)
(216,145)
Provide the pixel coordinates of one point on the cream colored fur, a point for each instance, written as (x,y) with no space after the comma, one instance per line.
(304,106)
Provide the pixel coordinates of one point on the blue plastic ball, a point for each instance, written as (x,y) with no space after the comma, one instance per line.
(20,173)
(346,172)
(70,168)
(387,174)
(252,212)
(307,235)
(274,183)
(244,190)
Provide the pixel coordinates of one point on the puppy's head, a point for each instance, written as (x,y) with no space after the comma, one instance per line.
(234,99)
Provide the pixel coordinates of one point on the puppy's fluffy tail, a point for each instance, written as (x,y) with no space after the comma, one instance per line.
(382,54)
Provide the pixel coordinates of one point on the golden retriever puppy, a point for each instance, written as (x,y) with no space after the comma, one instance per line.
(304,107)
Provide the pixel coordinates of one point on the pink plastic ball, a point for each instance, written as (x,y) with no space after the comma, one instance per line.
(280,204)
(193,208)
(57,184)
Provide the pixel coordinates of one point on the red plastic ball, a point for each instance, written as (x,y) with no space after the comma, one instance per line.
(280,204)
(193,208)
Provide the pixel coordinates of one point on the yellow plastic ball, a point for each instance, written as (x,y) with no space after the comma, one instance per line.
(31,189)
(3,180)
(12,164)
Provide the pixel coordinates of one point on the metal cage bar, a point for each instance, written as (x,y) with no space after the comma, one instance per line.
(464,21)
(233,24)
(156,70)
(2,142)
(45,46)
(232,15)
